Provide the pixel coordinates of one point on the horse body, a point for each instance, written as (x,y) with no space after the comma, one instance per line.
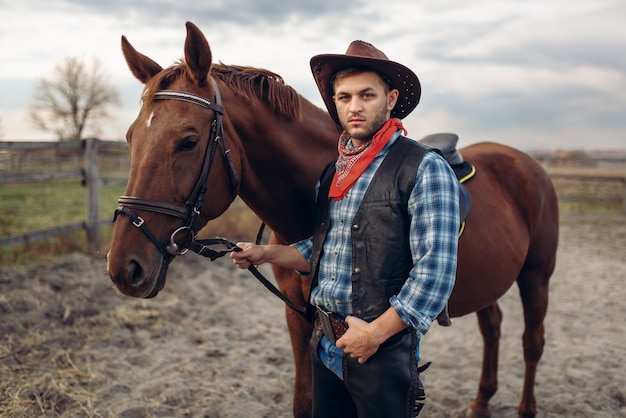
(282,165)
(279,144)
(513,217)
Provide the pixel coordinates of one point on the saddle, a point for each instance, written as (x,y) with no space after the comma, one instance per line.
(464,171)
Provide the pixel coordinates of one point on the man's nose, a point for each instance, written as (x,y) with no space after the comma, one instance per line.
(356,105)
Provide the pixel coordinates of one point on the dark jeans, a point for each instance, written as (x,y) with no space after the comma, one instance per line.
(387,385)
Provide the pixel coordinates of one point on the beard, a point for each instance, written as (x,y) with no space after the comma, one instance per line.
(366,132)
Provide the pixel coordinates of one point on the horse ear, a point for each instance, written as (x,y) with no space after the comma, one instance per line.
(141,66)
(197,54)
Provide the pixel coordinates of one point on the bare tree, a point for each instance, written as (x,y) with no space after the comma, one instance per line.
(74,100)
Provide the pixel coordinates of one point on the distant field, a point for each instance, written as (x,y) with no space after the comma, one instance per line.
(589,189)
(28,207)
(33,206)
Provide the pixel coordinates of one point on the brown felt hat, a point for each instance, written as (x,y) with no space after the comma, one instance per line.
(364,55)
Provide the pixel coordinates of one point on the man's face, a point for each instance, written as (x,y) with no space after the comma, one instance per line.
(363,104)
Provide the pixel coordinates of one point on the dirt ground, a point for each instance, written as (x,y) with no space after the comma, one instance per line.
(214,342)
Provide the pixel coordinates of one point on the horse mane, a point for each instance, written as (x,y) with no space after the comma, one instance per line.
(247,82)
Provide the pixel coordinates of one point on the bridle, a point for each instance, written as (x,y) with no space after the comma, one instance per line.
(190,212)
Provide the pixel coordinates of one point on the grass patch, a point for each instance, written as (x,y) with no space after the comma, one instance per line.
(33,206)
(566,207)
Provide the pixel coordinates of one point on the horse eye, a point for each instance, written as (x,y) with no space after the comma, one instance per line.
(188,143)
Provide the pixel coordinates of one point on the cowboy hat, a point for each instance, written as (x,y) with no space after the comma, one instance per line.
(365,55)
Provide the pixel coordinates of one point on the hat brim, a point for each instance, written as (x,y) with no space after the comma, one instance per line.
(324,68)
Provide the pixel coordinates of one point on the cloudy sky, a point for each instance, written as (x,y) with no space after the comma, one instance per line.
(534,74)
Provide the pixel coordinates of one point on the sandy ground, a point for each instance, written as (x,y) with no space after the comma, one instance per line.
(214,342)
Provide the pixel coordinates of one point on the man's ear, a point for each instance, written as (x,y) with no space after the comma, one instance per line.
(392,99)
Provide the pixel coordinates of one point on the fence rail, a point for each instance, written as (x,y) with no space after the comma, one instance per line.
(15,167)
(21,162)
(586,187)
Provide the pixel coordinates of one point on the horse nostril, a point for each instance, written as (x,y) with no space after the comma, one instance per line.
(135,273)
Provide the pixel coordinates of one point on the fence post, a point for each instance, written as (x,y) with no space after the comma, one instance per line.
(624,193)
(92,182)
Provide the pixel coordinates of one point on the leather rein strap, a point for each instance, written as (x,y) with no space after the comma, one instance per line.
(202,247)
(190,212)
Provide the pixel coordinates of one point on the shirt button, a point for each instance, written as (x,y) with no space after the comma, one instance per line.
(357,270)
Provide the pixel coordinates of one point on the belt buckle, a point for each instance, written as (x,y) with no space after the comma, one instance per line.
(327,327)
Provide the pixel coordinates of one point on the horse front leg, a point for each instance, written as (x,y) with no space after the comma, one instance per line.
(295,287)
(300,333)
(489,321)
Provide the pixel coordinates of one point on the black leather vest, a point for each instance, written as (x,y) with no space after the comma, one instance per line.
(381,256)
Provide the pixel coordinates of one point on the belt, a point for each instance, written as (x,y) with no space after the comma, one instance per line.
(330,324)
(333,327)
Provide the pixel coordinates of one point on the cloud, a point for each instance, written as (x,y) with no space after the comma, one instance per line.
(489,68)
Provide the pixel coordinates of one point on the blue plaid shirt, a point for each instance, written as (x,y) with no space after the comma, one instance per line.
(434,213)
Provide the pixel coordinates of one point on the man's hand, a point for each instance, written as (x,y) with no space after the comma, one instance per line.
(280,255)
(359,341)
(362,339)
(249,254)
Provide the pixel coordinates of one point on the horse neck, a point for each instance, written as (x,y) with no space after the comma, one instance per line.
(281,161)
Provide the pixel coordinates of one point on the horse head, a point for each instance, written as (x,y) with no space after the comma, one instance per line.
(181,172)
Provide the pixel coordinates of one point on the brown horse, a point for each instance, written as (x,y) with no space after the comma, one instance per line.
(207,132)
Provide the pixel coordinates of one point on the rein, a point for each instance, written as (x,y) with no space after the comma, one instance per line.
(201,247)
(190,212)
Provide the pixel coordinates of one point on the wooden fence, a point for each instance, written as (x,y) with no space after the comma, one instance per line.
(19,162)
(602,183)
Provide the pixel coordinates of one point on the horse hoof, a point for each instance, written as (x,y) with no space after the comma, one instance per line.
(474,414)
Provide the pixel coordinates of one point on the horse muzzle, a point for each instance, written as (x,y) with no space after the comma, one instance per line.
(133,278)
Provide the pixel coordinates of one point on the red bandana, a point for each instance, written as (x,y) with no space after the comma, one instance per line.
(353,162)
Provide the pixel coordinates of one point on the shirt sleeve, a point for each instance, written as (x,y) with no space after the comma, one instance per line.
(305,247)
(434,213)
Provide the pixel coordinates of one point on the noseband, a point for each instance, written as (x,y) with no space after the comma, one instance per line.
(190,212)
